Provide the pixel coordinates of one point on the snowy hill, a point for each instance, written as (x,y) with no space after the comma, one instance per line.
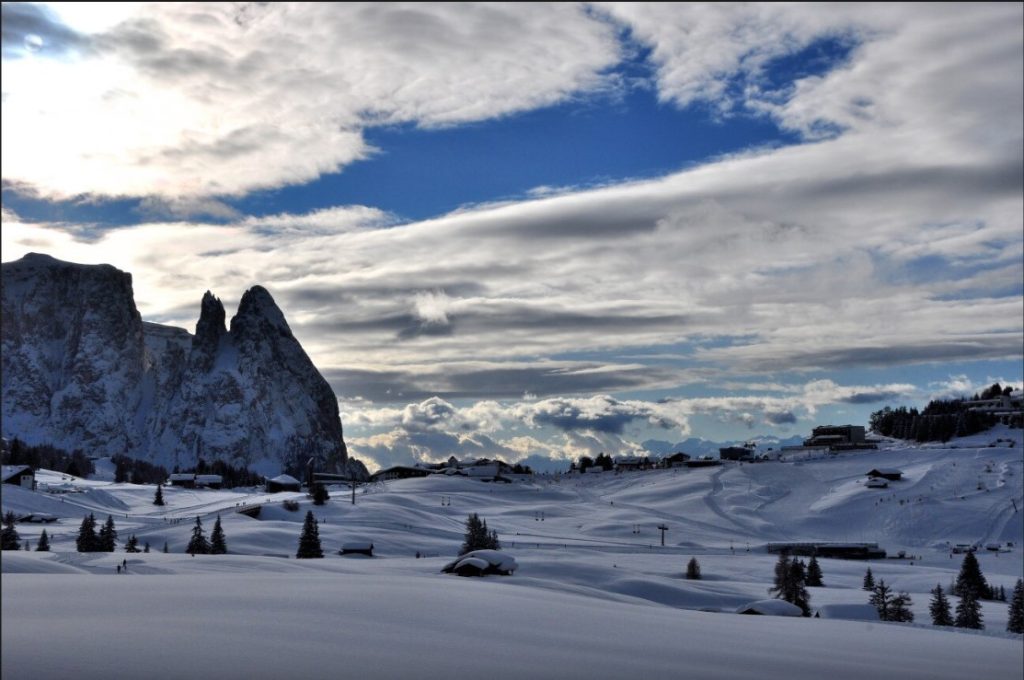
(82,371)
(590,567)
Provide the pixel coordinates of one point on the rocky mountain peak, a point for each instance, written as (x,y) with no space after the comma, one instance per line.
(81,370)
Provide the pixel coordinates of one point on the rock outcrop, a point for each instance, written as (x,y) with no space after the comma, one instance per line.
(81,370)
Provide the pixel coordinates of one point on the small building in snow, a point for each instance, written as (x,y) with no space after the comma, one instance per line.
(675,460)
(20,475)
(629,463)
(399,472)
(356,548)
(191,480)
(771,608)
(892,474)
(736,452)
(283,483)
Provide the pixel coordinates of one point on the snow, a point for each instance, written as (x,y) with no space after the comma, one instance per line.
(593,566)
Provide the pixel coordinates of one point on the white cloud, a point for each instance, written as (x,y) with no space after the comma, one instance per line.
(181,100)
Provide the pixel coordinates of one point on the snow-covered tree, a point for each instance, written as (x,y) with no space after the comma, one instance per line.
(44,542)
(814,574)
(968,612)
(1015,621)
(939,607)
(10,538)
(693,569)
(218,546)
(145,547)
(309,541)
(869,580)
(108,536)
(87,540)
(158,499)
(198,545)
(320,495)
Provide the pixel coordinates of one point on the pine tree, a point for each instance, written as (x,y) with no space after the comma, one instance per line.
(320,495)
(881,598)
(869,580)
(790,583)
(971,578)
(108,536)
(968,612)
(132,545)
(198,545)
(1015,622)
(693,569)
(145,548)
(87,540)
(478,537)
(158,499)
(217,544)
(309,541)
(900,608)
(814,573)
(939,607)
(44,542)
(10,539)
(165,547)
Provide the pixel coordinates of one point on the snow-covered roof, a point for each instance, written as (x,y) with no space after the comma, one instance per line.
(477,562)
(285,479)
(771,608)
(357,545)
(209,479)
(14,470)
(887,471)
(182,476)
(850,612)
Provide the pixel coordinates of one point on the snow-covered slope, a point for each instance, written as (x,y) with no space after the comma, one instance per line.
(595,595)
(82,371)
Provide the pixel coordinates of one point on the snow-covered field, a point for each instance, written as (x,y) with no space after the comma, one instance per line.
(595,596)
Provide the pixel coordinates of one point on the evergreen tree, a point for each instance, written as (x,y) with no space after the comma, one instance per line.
(158,499)
(881,598)
(477,536)
(869,580)
(198,545)
(900,608)
(320,495)
(145,548)
(132,545)
(939,608)
(790,583)
(968,612)
(165,547)
(44,542)
(693,569)
(309,541)
(1015,622)
(217,544)
(814,573)
(108,536)
(971,578)
(10,539)
(87,540)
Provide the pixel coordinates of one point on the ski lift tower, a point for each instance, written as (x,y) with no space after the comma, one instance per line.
(662,528)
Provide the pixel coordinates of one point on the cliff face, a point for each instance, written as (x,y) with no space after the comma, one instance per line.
(81,370)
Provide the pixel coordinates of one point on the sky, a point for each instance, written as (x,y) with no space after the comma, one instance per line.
(548,230)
